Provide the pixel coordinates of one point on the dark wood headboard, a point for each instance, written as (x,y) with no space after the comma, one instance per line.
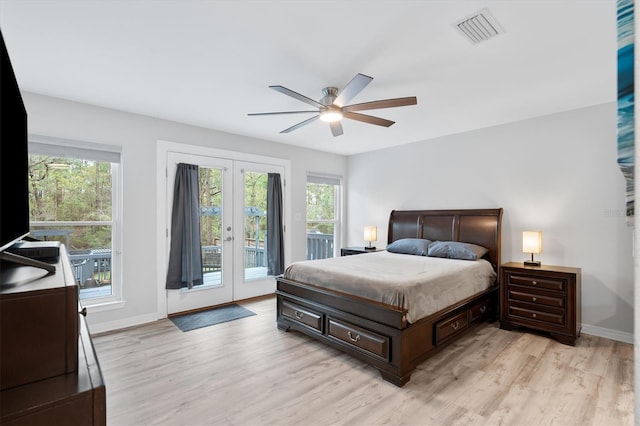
(477,226)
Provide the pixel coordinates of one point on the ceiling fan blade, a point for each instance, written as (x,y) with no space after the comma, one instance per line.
(283,112)
(386,103)
(297,96)
(336,128)
(355,86)
(300,124)
(368,119)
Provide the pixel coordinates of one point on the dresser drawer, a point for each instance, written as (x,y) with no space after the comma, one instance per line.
(548,283)
(302,315)
(360,338)
(451,326)
(516,311)
(523,295)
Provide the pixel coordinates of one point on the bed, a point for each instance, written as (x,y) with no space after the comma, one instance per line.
(388,333)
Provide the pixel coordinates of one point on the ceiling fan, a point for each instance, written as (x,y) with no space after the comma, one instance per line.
(332,107)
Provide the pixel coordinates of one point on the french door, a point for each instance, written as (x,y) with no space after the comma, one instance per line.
(233,230)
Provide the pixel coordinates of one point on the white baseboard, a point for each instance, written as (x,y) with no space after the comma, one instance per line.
(124,323)
(608,333)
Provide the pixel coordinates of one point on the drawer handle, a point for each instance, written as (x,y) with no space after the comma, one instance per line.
(535,299)
(353,339)
(298,314)
(483,309)
(534,282)
(455,325)
(534,315)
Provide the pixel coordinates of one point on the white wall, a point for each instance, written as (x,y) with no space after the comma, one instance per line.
(556,173)
(138,135)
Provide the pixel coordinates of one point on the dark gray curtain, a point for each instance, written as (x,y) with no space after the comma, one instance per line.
(275,240)
(185,255)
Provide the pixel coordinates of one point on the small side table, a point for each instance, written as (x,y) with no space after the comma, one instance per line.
(544,298)
(348,251)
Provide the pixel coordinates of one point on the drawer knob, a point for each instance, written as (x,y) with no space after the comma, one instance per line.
(534,282)
(299,314)
(534,299)
(483,309)
(353,339)
(455,325)
(534,315)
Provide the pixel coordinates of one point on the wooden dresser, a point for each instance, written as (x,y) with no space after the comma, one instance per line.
(49,372)
(544,298)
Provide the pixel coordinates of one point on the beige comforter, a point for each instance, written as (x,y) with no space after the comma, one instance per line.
(423,285)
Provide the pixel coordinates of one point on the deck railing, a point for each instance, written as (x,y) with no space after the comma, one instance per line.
(93,266)
(319,246)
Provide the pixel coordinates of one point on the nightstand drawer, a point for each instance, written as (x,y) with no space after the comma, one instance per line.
(537,282)
(302,315)
(516,311)
(524,296)
(362,339)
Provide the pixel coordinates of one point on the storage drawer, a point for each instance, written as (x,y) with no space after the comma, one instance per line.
(479,310)
(546,300)
(451,326)
(302,315)
(537,282)
(360,338)
(532,314)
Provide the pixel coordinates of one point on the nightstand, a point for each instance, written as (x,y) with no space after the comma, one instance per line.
(348,251)
(544,298)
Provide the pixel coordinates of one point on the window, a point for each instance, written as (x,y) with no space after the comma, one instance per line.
(324,194)
(74,198)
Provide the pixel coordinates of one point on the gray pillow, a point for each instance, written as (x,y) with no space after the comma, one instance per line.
(456,250)
(415,246)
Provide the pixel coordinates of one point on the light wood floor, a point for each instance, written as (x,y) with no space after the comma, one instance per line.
(247,372)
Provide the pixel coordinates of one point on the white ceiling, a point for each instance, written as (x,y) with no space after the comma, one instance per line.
(209,63)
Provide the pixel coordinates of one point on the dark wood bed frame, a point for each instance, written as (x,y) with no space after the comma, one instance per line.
(379,334)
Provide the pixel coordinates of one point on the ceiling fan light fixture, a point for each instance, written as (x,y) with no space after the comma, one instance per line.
(330,115)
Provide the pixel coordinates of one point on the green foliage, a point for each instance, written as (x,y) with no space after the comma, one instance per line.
(64,189)
(255,195)
(210,195)
(71,190)
(320,207)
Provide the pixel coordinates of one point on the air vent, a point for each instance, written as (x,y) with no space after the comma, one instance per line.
(479,27)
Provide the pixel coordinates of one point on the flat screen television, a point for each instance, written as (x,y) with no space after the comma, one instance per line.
(14,165)
(14,189)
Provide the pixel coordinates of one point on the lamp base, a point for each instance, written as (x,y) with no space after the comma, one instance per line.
(532,263)
(369,248)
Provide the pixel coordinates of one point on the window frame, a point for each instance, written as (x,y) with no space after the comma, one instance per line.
(44,145)
(338,218)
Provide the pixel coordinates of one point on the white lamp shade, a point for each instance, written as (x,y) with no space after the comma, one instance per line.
(370,233)
(532,242)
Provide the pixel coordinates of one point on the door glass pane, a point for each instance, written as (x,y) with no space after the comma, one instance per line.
(211,224)
(321,220)
(255,225)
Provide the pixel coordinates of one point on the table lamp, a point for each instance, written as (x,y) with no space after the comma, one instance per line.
(370,234)
(532,243)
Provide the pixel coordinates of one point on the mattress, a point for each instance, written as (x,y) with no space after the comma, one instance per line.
(422,285)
